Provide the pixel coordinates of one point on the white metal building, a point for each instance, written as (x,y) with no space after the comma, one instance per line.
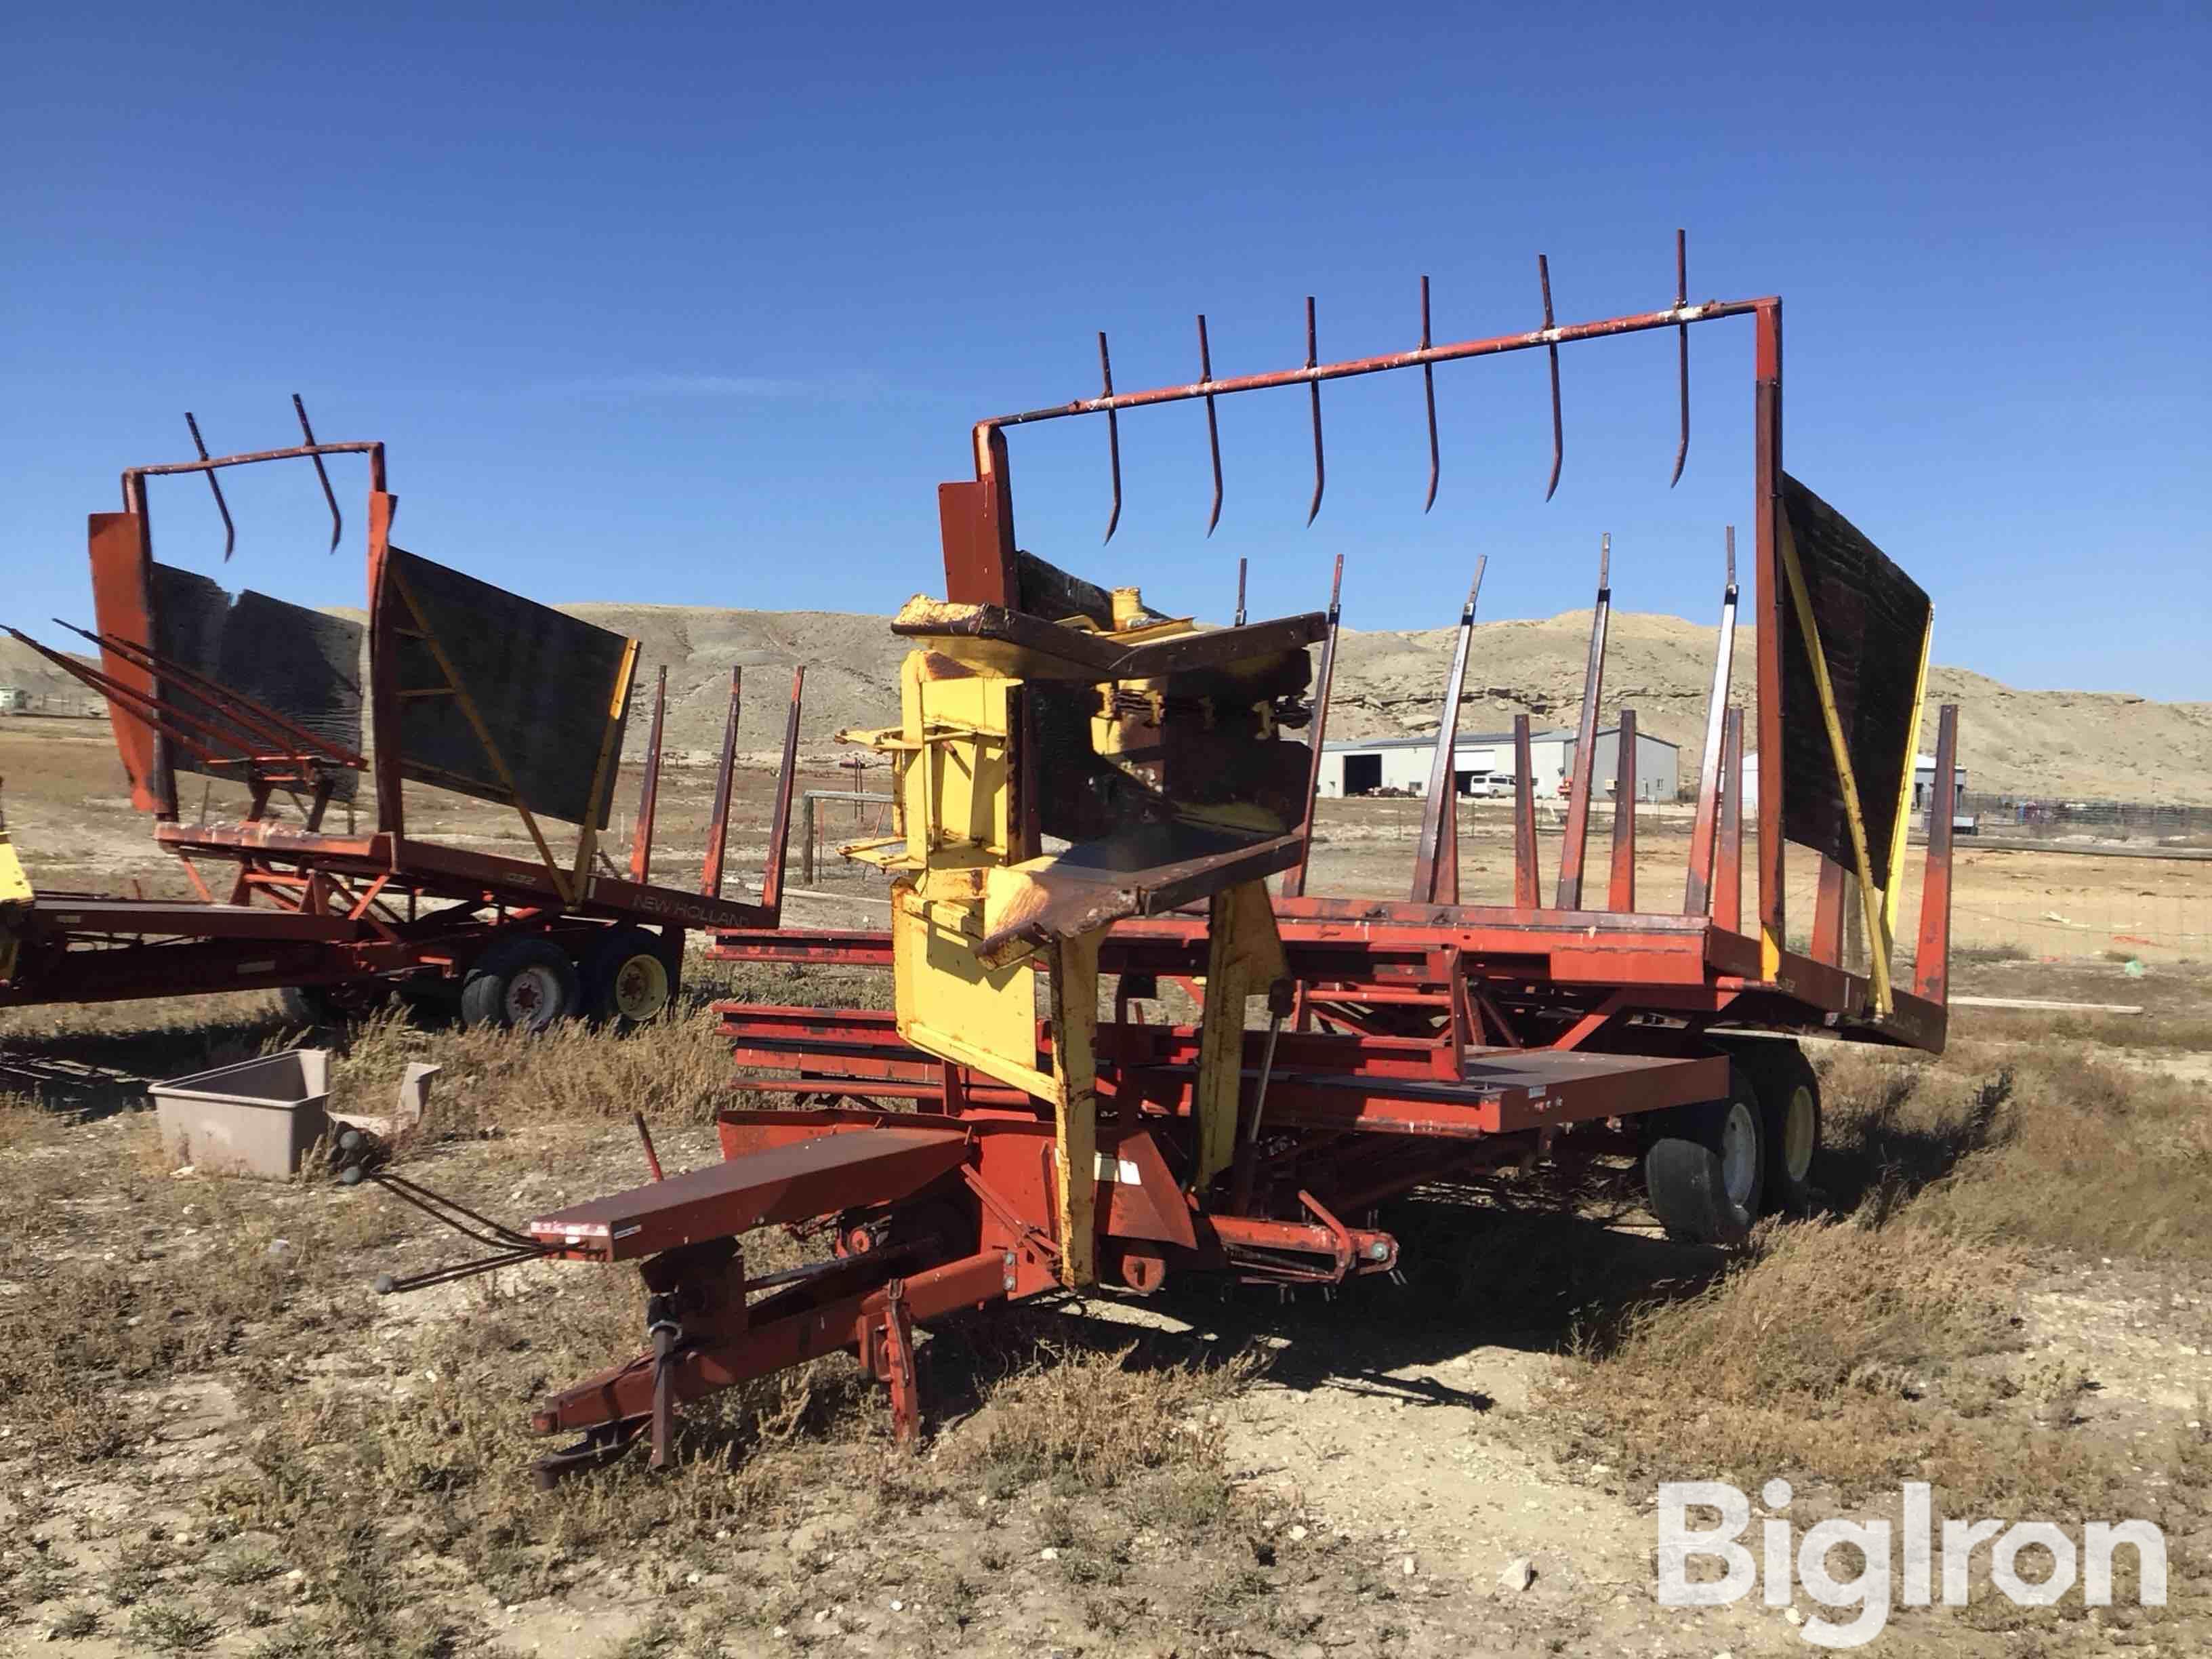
(1483,761)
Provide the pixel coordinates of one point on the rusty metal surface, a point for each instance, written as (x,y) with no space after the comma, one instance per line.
(717,819)
(1620,890)
(1696,891)
(1527,880)
(649,797)
(1770,603)
(1574,844)
(1313,372)
(1031,646)
(1142,872)
(1931,976)
(1294,880)
(1435,880)
(788,1183)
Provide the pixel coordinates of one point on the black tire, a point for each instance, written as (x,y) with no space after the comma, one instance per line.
(333,1005)
(1704,1165)
(628,978)
(1790,1107)
(520,984)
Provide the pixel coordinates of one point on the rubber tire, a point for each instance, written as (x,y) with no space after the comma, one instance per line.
(638,954)
(1785,1083)
(1684,1173)
(485,991)
(332,1006)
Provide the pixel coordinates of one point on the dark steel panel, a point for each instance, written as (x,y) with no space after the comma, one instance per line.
(544,683)
(304,664)
(1871,617)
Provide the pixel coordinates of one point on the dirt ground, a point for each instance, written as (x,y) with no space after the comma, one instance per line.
(69,812)
(217,1439)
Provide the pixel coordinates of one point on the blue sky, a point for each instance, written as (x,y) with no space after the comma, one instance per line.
(694,305)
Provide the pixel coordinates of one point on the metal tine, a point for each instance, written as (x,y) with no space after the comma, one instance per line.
(1429,391)
(1241,566)
(229,529)
(1682,347)
(1552,350)
(1313,360)
(1212,425)
(1113,435)
(337,519)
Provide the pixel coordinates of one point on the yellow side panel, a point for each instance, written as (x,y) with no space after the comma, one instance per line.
(14,889)
(954,789)
(951,1005)
(14,886)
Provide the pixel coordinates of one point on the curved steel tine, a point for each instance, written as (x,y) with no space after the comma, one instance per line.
(229,529)
(1242,565)
(1682,348)
(1212,426)
(1429,390)
(1559,435)
(1313,360)
(337,519)
(1113,435)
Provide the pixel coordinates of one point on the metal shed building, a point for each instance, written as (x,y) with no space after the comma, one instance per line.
(1364,765)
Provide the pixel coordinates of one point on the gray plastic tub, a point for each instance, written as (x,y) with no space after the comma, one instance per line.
(256,1117)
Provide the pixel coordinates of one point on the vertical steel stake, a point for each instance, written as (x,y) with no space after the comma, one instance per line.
(1212,424)
(330,496)
(1551,351)
(1313,360)
(1113,435)
(229,529)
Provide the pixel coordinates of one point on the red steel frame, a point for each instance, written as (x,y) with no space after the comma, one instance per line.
(1430,1037)
(306,907)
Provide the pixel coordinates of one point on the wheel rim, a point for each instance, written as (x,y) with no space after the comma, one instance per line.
(1798,1134)
(641,987)
(533,997)
(1739,1155)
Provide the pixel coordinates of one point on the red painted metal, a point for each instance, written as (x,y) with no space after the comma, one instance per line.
(335,908)
(648,795)
(718,821)
(1770,601)
(1931,974)
(1727,881)
(1620,892)
(791,1183)
(1828,902)
(771,899)
(1697,889)
(121,608)
(1432,1036)
(1294,880)
(1526,883)
(1574,845)
(1436,865)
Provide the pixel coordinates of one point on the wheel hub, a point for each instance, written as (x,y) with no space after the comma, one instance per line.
(640,987)
(1739,1154)
(530,996)
(1798,1134)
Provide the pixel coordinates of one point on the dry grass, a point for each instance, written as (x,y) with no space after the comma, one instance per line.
(2050,1146)
(379,1448)
(1853,1354)
(1088,1421)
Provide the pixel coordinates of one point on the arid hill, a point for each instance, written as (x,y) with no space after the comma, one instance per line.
(2040,743)
(2043,743)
